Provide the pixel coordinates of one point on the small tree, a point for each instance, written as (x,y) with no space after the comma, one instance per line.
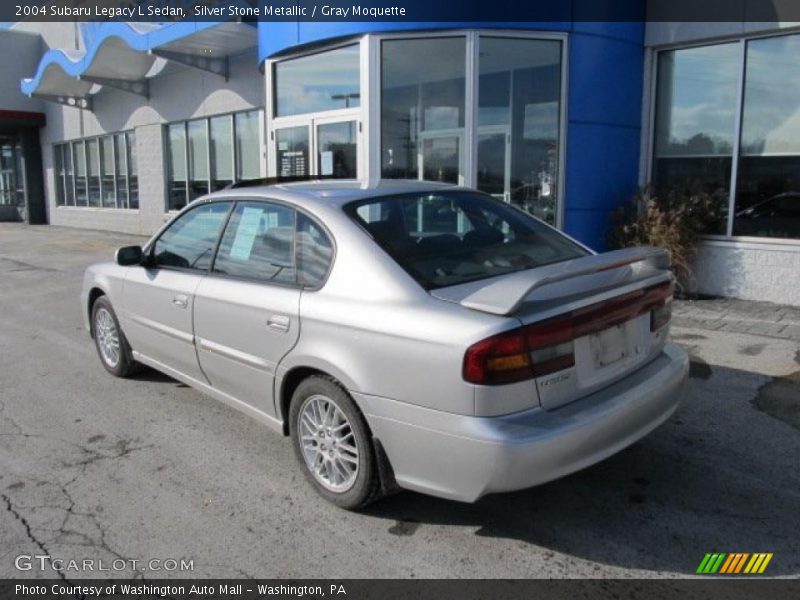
(673,219)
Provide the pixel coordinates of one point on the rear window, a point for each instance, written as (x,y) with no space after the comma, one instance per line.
(447,238)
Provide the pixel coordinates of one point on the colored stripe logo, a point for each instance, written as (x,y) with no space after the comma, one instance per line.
(735,563)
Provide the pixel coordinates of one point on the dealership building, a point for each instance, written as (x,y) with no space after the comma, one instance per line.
(116,126)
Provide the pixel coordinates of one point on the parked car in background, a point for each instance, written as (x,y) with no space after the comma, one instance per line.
(404,334)
(777,216)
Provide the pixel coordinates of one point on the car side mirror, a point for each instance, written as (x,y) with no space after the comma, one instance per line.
(129,255)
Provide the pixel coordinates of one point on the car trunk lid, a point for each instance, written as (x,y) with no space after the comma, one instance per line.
(595,310)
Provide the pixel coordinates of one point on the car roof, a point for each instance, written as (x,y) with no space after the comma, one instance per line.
(335,192)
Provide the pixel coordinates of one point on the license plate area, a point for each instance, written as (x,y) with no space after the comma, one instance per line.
(609,346)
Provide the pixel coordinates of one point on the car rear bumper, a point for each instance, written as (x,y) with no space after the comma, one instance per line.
(463,458)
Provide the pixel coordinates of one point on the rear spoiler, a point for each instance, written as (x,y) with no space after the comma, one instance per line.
(505,295)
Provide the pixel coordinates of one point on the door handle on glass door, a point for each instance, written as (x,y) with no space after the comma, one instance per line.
(278,323)
(181,300)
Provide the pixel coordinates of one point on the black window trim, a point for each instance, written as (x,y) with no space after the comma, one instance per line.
(234,201)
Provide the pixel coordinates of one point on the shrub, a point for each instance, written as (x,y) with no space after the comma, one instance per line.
(673,219)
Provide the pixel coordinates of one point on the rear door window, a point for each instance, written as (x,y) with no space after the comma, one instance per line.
(258,243)
(447,238)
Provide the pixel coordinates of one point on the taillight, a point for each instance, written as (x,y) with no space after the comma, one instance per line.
(521,354)
(499,359)
(548,346)
(661,313)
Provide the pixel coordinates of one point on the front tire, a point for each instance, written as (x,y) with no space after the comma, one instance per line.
(332,443)
(112,347)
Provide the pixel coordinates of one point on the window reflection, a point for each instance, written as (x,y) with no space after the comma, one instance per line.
(696,118)
(248,152)
(292,155)
(96,172)
(336,150)
(107,170)
(176,141)
(221,130)
(422,109)
(93,170)
(518,122)
(213,152)
(198,158)
(325,81)
(768,177)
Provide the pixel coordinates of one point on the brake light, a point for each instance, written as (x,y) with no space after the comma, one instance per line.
(661,313)
(547,347)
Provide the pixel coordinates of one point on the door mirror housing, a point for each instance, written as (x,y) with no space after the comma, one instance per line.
(129,255)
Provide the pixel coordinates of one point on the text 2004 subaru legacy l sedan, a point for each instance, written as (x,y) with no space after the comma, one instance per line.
(403,333)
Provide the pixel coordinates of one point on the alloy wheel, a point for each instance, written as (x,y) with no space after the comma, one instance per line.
(107,336)
(328,443)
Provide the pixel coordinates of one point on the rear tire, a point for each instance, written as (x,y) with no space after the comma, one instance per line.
(333,444)
(112,347)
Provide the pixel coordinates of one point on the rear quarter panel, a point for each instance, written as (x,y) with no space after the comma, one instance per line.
(380,333)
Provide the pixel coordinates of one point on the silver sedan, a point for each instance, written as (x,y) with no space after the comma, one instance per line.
(404,334)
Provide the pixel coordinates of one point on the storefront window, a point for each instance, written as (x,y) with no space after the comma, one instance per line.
(59,176)
(96,172)
(324,81)
(133,179)
(12,191)
(176,141)
(519,91)
(221,131)
(107,171)
(768,176)
(69,176)
(696,118)
(121,158)
(248,148)
(214,152)
(697,96)
(93,171)
(197,134)
(79,156)
(422,109)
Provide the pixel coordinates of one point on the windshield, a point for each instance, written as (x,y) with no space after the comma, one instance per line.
(447,238)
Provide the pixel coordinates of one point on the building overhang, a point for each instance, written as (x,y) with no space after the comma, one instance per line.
(126,56)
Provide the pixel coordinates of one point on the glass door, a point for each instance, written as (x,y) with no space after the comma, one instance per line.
(337,149)
(439,157)
(292,145)
(494,162)
(325,147)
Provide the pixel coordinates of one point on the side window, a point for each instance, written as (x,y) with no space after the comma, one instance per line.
(258,243)
(314,252)
(190,240)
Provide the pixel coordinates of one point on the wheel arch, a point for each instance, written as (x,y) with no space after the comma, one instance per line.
(293,377)
(288,384)
(94,293)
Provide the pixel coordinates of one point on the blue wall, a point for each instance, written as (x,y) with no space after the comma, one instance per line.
(603,106)
(604,113)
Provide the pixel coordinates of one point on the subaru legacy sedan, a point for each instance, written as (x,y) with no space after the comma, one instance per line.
(405,335)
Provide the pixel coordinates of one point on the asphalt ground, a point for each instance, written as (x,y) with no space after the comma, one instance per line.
(97,468)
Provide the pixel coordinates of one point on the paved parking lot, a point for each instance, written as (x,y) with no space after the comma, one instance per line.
(93,467)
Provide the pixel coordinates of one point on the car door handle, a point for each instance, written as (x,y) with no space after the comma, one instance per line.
(181,300)
(278,323)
